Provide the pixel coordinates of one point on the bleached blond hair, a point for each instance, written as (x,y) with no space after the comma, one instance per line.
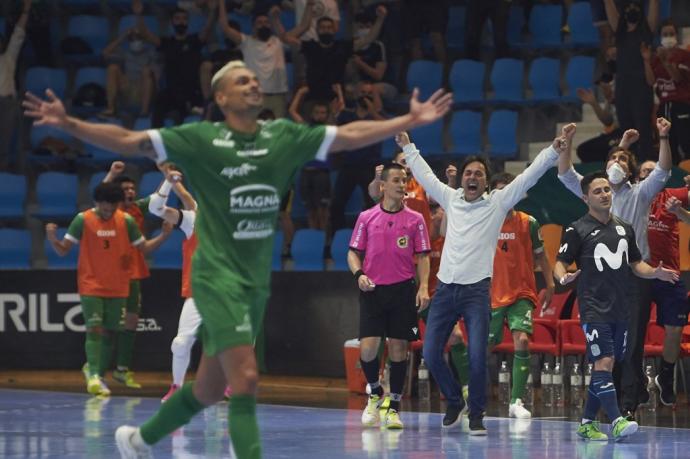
(218,77)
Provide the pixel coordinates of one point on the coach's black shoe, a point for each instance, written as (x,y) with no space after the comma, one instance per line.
(477,426)
(453,415)
(666,394)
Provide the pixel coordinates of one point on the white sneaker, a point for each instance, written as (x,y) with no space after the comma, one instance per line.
(130,444)
(518,410)
(371,416)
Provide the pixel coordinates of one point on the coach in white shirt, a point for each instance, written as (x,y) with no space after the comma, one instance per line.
(474,218)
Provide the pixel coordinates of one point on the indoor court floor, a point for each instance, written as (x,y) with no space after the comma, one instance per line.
(40,424)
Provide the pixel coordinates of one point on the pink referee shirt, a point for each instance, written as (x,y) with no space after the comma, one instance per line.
(389,241)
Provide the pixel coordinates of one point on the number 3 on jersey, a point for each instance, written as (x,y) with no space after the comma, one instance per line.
(106,244)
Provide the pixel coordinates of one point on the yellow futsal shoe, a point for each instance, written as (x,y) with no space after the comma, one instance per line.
(126,377)
(385,404)
(392,420)
(96,386)
(371,416)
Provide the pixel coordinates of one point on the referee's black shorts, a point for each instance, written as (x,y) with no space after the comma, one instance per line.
(389,311)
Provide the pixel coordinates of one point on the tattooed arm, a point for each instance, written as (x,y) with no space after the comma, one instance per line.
(51,112)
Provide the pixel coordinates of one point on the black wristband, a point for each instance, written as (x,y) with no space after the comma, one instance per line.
(663,137)
(358,274)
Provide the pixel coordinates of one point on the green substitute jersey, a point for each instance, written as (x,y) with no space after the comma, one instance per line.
(238,181)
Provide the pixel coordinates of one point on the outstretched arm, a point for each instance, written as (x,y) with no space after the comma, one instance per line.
(296,104)
(61,247)
(566,172)
(234,35)
(150,245)
(359,134)
(374,32)
(612,14)
(643,270)
(657,179)
(51,112)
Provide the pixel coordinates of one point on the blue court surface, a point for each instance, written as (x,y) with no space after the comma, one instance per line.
(37,424)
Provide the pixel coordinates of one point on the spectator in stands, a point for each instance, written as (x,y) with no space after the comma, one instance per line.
(600,21)
(669,71)
(634,98)
(326,58)
(370,61)
(130,73)
(478,11)
(9,106)
(315,178)
(264,55)
(423,16)
(666,210)
(356,166)
(597,148)
(182,65)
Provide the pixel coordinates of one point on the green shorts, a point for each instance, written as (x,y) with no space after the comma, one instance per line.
(98,311)
(518,315)
(134,298)
(231,313)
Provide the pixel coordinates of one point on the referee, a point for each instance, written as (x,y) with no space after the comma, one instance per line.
(605,250)
(390,238)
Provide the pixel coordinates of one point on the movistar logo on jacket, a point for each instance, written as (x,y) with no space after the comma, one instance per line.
(613,259)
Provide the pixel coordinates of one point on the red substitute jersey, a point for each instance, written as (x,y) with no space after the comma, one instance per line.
(667,89)
(513,275)
(390,241)
(416,199)
(662,229)
(140,269)
(188,247)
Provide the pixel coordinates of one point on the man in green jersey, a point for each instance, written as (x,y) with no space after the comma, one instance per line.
(238,168)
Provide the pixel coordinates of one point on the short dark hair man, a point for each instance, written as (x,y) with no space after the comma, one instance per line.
(605,250)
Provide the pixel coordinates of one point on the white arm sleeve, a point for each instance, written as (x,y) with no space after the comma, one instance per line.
(421,171)
(158,199)
(515,191)
(571,180)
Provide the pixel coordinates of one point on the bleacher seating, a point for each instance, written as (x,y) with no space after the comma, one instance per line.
(12,196)
(307,250)
(466,132)
(15,249)
(55,261)
(425,75)
(502,133)
(466,79)
(56,194)
(339,248)
(507,77)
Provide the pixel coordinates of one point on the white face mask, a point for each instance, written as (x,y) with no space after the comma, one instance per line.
(616,174)
(669,42)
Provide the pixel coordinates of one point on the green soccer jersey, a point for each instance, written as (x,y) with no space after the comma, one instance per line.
(238,180)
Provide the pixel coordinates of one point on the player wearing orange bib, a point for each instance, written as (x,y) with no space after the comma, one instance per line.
(514,290)
(105,235)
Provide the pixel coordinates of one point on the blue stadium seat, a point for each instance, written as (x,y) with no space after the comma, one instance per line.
(507,78)
(288,19)
(129,21)
(15,249)
(467,82)
(307,250)
(356,202)
(516,23)
(276,256)
(95,179)
(582,31)
(502,131)
(169,254)
(455,29)
(86,75)
(149,183)
(425,75)
(3,26)
(545,26)
(466,132)
(55,261)
(94,30)
(289,70)
(38,79)
(12,195)
(544,79)
(142,124)
(97,156)
(429,138)
(37,135)
(389,148)
(339,248)
(298,210)
(191,119)
(579,74)
(56,193)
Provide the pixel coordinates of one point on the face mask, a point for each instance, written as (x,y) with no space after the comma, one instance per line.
(616,174)
(326,38)
(361,33)
(669,42)
(180,29)
(632,16)
(263,33)
(136,46)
